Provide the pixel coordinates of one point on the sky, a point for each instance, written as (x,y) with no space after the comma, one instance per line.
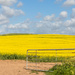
(37,16)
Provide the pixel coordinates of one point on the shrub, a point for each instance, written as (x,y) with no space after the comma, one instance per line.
(64,69)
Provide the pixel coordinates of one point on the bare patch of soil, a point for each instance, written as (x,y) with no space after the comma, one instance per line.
(17,67)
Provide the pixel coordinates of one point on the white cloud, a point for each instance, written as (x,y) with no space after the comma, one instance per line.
(7,2)
(48,24)
(38,15)
(70,30)
(69,3)
(17,26)
(20,4)
(43,27)
(2,17)
(49,27)
(63,14)
(2,30)
(70,22)
(39,24)
(9,12)
(57,25)
(24,25)
(73,13)
(49,18)
(3,20)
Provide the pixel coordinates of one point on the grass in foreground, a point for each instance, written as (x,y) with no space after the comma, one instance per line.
(49,58)
(12,56)
(33,58)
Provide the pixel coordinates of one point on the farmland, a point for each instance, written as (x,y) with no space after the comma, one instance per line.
(19,44)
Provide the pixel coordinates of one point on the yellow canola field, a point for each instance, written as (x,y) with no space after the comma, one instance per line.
(19,44)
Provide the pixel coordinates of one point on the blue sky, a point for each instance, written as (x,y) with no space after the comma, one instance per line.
(37,16)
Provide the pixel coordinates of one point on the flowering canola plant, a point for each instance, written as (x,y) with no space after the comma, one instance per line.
(19,44)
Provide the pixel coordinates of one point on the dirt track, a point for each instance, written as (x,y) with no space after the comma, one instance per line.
(15,67)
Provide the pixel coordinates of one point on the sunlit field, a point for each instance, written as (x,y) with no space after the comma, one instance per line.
(19,44)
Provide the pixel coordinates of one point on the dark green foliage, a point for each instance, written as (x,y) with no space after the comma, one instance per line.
(67,68)
(47,58)
(12,56)
(15,34)
(33,58)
